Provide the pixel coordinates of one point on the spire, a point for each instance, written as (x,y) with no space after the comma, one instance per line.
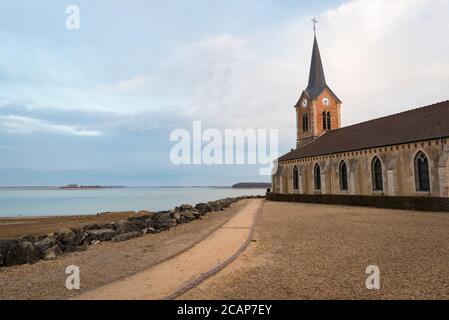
(317,80)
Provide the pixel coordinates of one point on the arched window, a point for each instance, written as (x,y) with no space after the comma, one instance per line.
(317,177)
(327,121)
(295,178)
(343,173)
(305,122)
(422,172)
(376,172)
(324,121)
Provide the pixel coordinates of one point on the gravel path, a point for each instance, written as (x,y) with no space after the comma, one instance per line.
(307,251)
(172,275)
(107,262)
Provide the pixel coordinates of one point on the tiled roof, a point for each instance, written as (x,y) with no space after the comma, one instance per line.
(420,124)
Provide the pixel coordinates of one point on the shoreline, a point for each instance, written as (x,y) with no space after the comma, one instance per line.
(116,260)
(33,203)
(28,240)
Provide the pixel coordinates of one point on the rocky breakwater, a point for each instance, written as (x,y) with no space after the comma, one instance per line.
(30,249)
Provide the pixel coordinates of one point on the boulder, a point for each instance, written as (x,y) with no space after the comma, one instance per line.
(97,226)
(150,223)
(215,205)
(152,231)
(52,253)
(66,236)
(184,207)
(44,244)
(196,213)
(5,246)
(125,226)
(187,216)
(225,203)
(162,225)
(29,238)
(163,216)
(177,216)
(21,252)
(126,236)
(203,208)
(101,234)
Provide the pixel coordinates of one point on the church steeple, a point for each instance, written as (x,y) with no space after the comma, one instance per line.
(317,81)
(318,108)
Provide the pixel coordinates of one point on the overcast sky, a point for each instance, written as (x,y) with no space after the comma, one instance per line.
(97,105)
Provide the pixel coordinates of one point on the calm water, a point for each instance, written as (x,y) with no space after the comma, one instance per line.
(43,202)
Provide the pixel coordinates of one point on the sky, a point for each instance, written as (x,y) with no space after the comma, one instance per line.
(97,105)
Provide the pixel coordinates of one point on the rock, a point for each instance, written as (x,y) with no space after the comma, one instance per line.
(163,216)
(215,205)
(203,208)
(66,236)
(52,253)
(225,203)
(187,216)
(69,248)
(101,234)
(125,226)
(177,217)
(164,224)
(126,236)
(44,244)
(150,223)
(152,231)
(97,226)
(184,207)
(21,252)
(196,213)
(95,242)
(5,246)
(29,238)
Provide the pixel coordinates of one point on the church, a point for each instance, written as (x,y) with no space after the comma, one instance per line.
(405,154)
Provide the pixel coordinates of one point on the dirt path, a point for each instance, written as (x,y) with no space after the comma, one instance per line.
(170,276)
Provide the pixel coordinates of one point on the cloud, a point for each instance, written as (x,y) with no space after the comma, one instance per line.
(26,125)
(371,53)
(380,57)
(132,85)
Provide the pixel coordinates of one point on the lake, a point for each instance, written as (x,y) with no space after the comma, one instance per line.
(56,202)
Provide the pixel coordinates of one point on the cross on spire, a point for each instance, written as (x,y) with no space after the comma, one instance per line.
(315,21)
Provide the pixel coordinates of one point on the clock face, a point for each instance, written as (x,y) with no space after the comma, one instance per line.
(304,103)
(326,101)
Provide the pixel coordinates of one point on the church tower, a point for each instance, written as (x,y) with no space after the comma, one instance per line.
(318,108)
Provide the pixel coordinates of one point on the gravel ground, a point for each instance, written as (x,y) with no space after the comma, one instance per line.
(106,262)
(307,251)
